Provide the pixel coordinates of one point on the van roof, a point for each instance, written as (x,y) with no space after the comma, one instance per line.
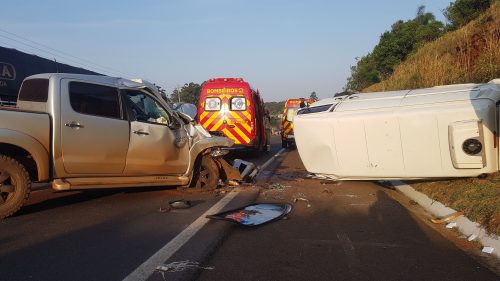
(447,93)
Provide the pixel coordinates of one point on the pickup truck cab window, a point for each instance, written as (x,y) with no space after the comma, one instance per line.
(36,90)
(93,99)
(143,108)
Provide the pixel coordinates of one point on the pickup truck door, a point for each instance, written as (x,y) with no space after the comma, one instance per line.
(153,148)
(94,134)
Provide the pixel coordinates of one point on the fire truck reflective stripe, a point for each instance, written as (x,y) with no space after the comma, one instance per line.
(243,121)
(206,117)
(230,135)
(240,115)
(212,122)
(287,127)
(217,125)
(242,128)
(203,115)
(247,115)
(240,135)
(213,118)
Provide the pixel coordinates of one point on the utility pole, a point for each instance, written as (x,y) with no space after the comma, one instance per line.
(178,93)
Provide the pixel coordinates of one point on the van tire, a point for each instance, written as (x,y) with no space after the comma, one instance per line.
(15,186)
(207,176)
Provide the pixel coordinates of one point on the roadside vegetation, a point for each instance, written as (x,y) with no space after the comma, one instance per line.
(423,52)
(470,54)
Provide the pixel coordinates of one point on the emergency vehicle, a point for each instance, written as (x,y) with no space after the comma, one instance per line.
(291,105)
(230,107)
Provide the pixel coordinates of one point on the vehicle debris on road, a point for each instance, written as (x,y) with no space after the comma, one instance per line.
(451,225)
(254,214)
(488,250)
(448,218)
(180,204)
(302,199)
(181,266)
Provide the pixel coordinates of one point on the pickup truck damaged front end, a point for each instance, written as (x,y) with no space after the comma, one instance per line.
(201,144)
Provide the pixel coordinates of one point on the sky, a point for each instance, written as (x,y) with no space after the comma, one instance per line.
(284,48)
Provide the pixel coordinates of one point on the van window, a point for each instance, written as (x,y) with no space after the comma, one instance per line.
(94,99)
(315,109)
(36,90)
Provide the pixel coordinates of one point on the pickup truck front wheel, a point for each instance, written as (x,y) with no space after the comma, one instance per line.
(207,176)
(15,186)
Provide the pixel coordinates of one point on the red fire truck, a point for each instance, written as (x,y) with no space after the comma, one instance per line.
(230,107)
(291,105)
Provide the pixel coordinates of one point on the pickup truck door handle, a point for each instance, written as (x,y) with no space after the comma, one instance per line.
(141,133)
(74,125)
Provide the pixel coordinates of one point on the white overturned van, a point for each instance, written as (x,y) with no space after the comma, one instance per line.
(445,131)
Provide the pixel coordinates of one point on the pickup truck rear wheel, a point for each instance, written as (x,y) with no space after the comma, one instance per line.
(15,186)
(207,177)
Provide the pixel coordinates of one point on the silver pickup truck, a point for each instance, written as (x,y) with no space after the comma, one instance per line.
(85,131)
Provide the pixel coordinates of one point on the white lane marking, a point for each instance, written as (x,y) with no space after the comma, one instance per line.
(268,162)
(148,267)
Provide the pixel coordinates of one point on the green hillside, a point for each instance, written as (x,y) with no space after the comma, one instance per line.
(470,54)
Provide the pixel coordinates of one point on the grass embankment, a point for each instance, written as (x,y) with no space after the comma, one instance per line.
(479,199)
(468,55)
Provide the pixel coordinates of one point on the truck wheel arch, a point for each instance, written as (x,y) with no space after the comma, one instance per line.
(28,151)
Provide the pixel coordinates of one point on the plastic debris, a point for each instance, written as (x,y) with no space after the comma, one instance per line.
(181,266)
(245,168)
(472,237)
(488,250)
(180,204)
(255,214)
(448,218)
(278,186)
(451,225)
(302,199)
(327,191)
(164,209)
(233,183)
(230,172)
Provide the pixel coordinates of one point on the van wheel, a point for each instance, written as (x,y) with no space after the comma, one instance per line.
(15,186)
(208,174)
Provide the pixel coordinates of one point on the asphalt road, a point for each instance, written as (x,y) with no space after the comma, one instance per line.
(350,231)
(96,235)
(344,231)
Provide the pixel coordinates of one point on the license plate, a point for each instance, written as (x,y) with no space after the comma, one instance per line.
(291,136)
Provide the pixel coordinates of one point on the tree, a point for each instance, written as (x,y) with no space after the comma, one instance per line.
(394,46)
(189,93)
(462,12)
(313,96)
(363,74)
(163,93)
